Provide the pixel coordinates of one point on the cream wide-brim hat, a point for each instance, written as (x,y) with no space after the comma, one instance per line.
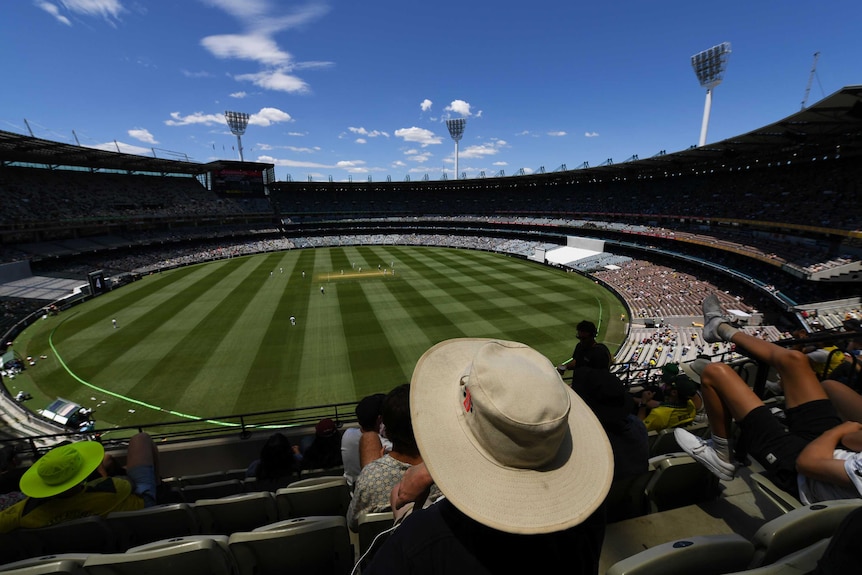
(505,439)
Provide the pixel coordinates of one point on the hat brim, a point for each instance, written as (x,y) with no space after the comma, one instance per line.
(92,453)
(528,501)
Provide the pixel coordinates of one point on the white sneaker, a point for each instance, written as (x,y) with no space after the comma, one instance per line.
(713,316)
(704,453)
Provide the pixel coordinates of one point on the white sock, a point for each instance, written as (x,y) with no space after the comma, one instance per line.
(725,331)
(722,447)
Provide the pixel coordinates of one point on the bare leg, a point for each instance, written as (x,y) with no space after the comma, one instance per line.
(726,397)
(799,381)
(847,402)
(142,451)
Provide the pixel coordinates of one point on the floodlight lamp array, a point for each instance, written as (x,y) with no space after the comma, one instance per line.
(237,122)
(456,128)
(709,65)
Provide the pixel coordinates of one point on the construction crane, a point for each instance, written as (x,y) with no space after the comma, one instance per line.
(810,79)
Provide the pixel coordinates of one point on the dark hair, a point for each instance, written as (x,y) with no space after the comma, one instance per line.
(276,457)
(368,410)
(396,418)
(588,327)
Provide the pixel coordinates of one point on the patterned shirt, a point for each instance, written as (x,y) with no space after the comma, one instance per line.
(374,486)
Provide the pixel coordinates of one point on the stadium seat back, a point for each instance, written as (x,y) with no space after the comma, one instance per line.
(86,535)
(179,556)
(679,480)
(799,528)
(153,523)
(704,555)
(371,533)
(314,496)
(242,512)
(301,546)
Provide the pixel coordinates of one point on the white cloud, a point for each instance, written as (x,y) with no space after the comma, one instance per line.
(197,118)
(425,105)
(202,74)
(483,150)
(421,136)
(124,148)
(268,116)
(143,135)
(265,117)
(591,134)
(277,80)
(418,157)
(370,134)
(500,163)
(459,107)
(109,10)
(246,47)
(557,133)
(360,141)
(238,95)
(54,11)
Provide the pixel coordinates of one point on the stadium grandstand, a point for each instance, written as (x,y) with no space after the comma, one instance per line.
(770,219)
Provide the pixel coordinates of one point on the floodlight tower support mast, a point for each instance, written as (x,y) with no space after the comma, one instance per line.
(456,130)
(237,122)
(709,66)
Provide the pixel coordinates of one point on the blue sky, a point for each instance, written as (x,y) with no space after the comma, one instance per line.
(356,89)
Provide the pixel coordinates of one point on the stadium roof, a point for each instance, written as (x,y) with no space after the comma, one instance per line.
(828,128)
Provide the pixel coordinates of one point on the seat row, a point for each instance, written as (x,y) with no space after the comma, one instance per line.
(307,546)
(119,531)
(673,480)
(791,543)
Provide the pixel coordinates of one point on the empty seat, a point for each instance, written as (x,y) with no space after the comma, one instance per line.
(802,562)
(704,555)
(784,501)
(46,564)
(179,556)
(373,530)
(192,493)
(242,512)
(153,523)
(300,546)
(201,478)
(314,496)
(679,480)
(86,535)
(799,528)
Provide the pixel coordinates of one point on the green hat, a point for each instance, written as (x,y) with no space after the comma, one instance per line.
(62,468)
(669,371)
(684,386)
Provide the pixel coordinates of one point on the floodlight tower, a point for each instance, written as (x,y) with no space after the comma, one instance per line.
(709,66)
(237,122)
(456,130)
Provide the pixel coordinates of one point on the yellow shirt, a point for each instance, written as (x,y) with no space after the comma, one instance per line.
(99,497)
(665,416)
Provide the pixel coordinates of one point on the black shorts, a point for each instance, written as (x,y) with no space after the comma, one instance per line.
(776,446)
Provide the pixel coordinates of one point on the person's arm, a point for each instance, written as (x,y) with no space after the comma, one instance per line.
(414,487)
(370,448)
(816,461)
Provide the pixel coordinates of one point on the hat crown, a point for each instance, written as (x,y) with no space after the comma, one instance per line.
(59,465)
(516,406)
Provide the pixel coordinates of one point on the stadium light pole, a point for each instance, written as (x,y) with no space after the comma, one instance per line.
(456,130)
(709,66)
(237,122)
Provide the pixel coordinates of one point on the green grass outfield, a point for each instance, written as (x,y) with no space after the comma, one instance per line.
(215,339)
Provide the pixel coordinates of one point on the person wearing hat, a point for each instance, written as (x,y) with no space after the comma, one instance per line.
(523,463)
(324,451)
(677,408)
(588,352)
(57,489)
